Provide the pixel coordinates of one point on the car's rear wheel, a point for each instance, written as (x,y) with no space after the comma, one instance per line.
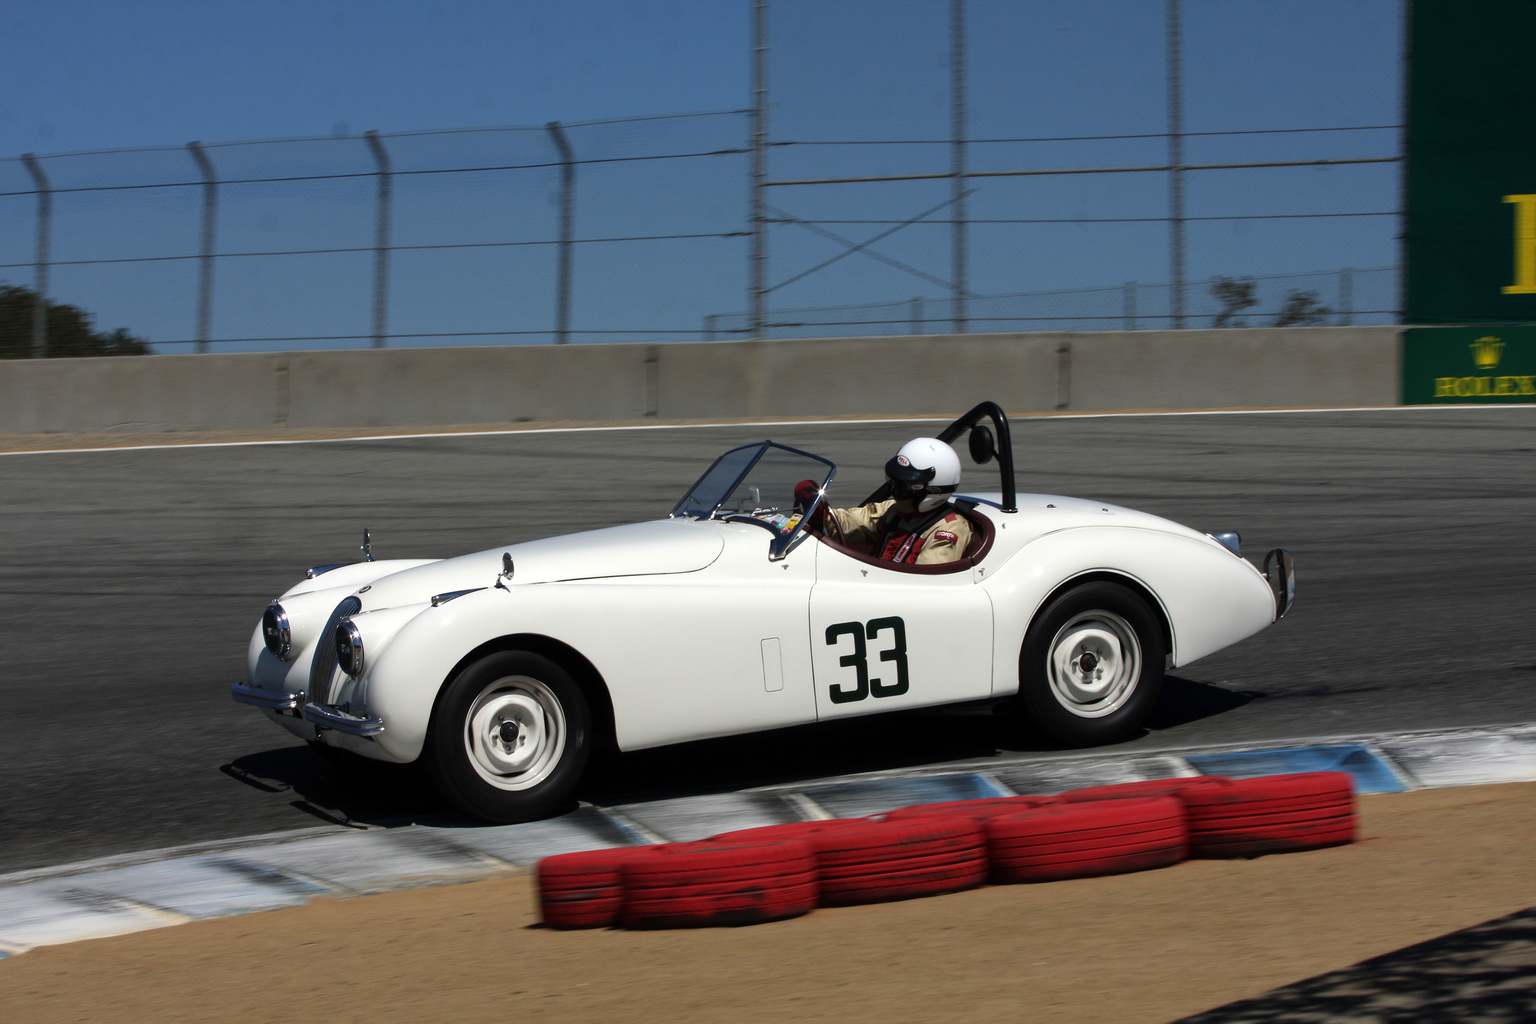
(510,738)
(1092,665)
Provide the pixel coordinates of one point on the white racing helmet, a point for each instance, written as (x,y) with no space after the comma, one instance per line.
(926,471)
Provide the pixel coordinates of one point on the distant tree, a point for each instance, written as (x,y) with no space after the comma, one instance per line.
(1302,308)
(70,330)
(1235,295)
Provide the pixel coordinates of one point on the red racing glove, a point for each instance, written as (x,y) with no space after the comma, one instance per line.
(806,492)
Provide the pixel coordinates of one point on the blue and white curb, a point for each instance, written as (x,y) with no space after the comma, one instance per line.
(119,895)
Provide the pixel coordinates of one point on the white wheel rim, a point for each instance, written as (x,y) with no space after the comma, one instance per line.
(515,733)
(1094,664)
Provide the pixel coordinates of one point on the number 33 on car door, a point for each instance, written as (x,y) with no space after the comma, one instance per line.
(865,686)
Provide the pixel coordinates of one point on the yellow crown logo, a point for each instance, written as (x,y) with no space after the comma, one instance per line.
(1486,352)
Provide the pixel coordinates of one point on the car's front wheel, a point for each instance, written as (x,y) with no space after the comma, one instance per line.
(510,738)
(1092,665)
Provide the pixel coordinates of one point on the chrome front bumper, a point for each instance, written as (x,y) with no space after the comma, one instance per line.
(329,717)
(290,702)
(324,715)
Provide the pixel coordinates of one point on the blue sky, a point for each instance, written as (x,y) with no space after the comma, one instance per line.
(95,75)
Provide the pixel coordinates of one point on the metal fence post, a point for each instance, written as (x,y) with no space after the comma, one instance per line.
(380,241)
(757,262)
(205,261)
(1346,296)
(1130,305)
(709,326)
(40,269)
(1176,160)
(957,154)
(567,226)
(917,315)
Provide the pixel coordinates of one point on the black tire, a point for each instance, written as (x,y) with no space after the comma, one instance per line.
(1059,697)
(509,738)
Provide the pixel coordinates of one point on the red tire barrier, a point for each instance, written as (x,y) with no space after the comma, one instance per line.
(1079,840)
(859,860)
(586,889)
(691,885)
(1272,814)
(980,810)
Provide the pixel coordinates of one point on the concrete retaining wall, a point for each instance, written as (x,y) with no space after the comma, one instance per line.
(940,374)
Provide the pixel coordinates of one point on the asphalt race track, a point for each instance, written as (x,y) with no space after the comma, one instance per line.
(131,580)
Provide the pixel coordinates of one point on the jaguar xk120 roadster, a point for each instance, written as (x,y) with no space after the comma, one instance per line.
(501,670)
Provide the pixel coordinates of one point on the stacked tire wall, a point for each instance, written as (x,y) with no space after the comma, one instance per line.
(780,871)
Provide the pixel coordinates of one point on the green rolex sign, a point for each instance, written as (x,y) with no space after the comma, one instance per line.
(1489,363)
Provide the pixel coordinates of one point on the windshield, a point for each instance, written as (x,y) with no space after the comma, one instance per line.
(756,483)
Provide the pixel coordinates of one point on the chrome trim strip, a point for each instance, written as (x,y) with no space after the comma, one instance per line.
(322,670)
(328,717)
(321,570)
(244,694)
(438,600)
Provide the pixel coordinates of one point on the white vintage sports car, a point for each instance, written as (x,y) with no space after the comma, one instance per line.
(501,670)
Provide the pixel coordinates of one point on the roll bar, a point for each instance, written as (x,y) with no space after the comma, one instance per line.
(983,448)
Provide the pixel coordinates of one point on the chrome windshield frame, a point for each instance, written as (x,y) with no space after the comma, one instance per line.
(781,542)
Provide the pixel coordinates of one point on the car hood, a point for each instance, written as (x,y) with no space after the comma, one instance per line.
(639,549)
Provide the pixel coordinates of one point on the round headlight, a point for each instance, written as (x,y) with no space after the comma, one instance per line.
(349,648)
(276,632)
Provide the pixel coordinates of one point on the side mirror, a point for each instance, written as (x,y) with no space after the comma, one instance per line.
(983,448)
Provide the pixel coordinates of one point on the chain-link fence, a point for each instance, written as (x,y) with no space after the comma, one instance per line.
(1327,298)
(919,188)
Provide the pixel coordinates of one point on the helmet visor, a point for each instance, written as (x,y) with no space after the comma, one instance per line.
(907,481)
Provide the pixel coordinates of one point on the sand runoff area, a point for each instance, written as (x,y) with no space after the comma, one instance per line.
(1149,947)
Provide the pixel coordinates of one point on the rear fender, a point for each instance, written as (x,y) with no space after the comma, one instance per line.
(1208,597)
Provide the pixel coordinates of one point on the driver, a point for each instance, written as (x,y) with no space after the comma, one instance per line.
(918,525)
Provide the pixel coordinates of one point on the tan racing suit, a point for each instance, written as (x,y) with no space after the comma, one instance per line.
(927,538)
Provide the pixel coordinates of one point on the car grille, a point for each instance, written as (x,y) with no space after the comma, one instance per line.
(323,670)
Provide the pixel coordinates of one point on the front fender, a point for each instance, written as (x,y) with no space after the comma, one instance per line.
(403,684)
(1209,597)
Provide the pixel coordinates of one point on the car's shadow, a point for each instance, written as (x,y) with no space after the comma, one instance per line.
(350,791)
(359,792)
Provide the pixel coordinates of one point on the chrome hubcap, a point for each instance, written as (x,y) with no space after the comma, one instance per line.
(515,733)
(1094,664)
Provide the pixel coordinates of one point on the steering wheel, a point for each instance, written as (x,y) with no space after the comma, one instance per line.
(830,520)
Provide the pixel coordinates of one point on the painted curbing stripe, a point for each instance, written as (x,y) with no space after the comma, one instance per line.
(199,887)
(367,862)
(876,796)
(1047,778)
(586,828)
(1466,759)
(54,912)
(698,817)
(1371,772)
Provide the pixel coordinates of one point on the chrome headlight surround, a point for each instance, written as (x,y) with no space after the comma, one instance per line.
(276,632)
(349,648)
